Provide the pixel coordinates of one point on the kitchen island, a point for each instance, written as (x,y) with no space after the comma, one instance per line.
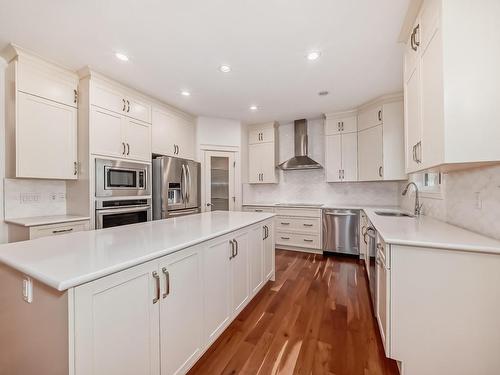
(106,301)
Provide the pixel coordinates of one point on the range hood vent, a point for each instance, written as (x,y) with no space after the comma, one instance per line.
(300,160)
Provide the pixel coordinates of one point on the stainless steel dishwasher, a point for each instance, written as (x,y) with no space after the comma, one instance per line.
(341,231)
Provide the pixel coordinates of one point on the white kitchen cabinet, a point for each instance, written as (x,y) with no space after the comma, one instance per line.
(338,123)
(240,281)
(262,153)
(382,308)
(449,40)
(19,232)
(370,155)
(298,228)
(119,100)
(217,292)
(269,251)
(173,134)
(181,311)
(370,117)
(116,323)
(119,136)
(341,157)
(256,238)
(41,118)
(262,163)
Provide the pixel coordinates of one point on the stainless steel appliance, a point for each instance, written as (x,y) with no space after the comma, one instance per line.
(176,187)
(115,178)
(341,231)
(300,160)
(112,213)
(370,236)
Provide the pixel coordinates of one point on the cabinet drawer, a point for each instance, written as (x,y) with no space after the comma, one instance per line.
(370,117)
(296,224)
(258,209)
(302,212)
(299,240)
(58,229)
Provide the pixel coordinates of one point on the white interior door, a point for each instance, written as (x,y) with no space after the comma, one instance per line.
(219,181)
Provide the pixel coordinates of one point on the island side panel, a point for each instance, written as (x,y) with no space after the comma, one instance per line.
(33,336)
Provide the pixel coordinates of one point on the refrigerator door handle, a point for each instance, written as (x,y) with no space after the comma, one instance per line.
(183,184)
(188,182)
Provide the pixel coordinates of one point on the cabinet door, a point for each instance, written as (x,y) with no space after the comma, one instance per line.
(216,282)
(116,320)
(138,109)
(255,258)
(106,133)
(269,252)
(46,138)
(137,136)
(350,157)
(382,293)
(164,133)
(370,154)
(240,283)
(107,98)
(413,133)
(181,318)
(185,139)
(370,117)
(333,157)
(254,163)
(261,135)
(268,166)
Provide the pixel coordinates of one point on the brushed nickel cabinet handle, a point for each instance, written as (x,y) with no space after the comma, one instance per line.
(75,99)
(124,148)
(62,230)
(75,168)
(380,115)
(128,149)
(157,281)
(285,223)
(306,240)
(415,39)
(285,238)
(380,170)
(237,247)
(232,249)
(128,106)
(307,225)
(167,282)
(124,105)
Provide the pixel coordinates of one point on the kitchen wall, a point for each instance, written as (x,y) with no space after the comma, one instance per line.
(471,200)
(310,186)
(3,226)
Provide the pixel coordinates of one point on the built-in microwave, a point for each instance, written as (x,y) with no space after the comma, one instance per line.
(121,178)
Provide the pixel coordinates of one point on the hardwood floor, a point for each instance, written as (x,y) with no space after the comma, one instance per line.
(314,319)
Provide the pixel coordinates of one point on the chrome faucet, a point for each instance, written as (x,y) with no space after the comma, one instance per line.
(418,206)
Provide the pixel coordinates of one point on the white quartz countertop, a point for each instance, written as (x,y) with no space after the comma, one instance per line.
(45,220)
(423,231)
(65,261)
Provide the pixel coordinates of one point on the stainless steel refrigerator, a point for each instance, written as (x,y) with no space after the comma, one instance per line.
(176,187)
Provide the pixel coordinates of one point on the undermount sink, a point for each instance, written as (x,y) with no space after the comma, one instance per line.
(392,213)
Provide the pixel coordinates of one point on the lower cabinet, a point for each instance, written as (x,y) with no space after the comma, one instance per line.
(382,309)
(159,317)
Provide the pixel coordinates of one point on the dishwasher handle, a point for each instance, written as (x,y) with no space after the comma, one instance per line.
(341,213)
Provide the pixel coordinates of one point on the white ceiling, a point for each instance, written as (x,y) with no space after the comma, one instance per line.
(179,45)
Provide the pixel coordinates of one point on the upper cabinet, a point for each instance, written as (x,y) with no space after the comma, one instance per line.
(451,98)
(337,123)
(173,133)
(41,118)
(262,153)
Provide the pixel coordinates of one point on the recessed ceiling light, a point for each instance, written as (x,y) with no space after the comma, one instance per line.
(121,56)
(254,108)
(185,93)
(323,93)
(313,55)
(225,68)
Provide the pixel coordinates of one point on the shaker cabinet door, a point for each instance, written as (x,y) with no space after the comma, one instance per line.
(106,133)
(137,137)
(333,158)
(370,155)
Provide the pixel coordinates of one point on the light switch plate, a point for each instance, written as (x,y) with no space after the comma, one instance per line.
(28,289)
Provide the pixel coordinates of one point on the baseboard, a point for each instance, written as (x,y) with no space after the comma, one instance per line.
(298,249)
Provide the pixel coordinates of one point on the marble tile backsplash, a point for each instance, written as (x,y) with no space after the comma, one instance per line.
(471,200)
(310,186)
(28,198)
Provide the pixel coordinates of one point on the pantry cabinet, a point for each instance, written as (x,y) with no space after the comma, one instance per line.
(116,135)
(451,114)
(41,118)
(173,134)
(262,153)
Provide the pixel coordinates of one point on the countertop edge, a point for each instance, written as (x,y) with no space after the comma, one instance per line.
(17,221)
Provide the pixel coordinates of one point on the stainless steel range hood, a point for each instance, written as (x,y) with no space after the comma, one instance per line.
(300,160)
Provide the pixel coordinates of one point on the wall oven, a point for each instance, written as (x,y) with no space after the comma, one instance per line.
(113,213)
(115,178)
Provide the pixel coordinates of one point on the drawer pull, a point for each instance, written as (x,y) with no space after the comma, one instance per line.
(285,223)
(258,210)
(306,240)
(307,225)
(285,238)
(62,230)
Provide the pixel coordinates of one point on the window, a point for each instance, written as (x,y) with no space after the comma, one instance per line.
(430,184)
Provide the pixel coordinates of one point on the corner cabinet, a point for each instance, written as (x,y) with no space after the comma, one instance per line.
(41,118)
(341,147)
(262,153)
(180,303)
(451,115)
(381,155)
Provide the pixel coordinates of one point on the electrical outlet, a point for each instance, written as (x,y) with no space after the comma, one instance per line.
(479,201)
(52,196)
(61,197)
(27,198)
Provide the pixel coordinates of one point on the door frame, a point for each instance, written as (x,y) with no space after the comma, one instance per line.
(203,150)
